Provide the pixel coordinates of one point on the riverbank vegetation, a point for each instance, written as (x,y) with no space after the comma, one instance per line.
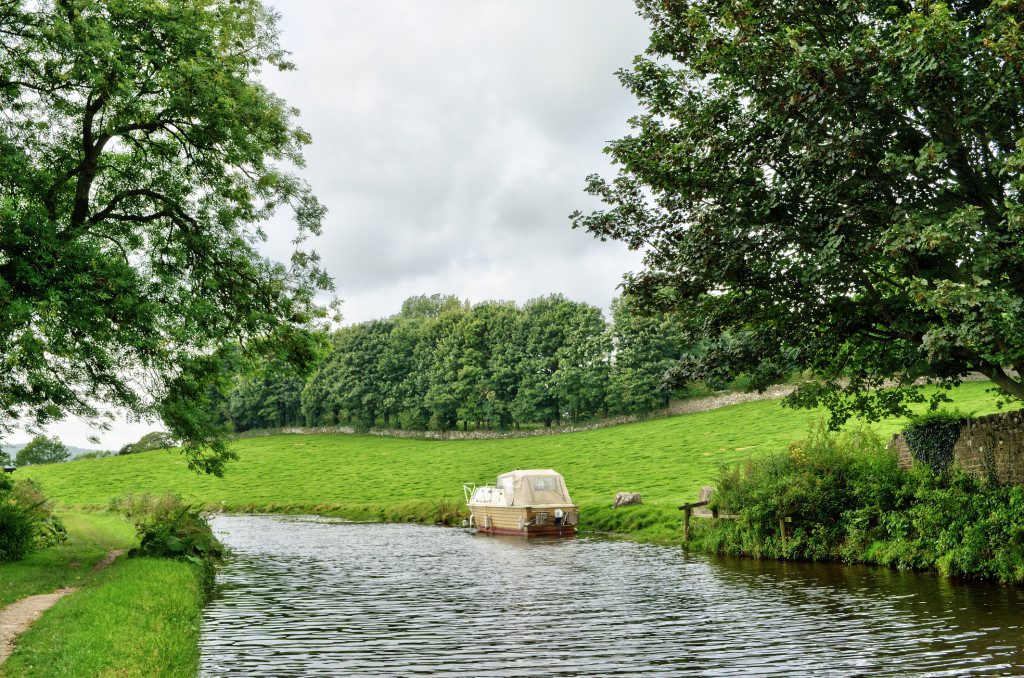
(843,497)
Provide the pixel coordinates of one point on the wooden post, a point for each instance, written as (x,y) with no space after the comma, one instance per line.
(782,529)
(687,510)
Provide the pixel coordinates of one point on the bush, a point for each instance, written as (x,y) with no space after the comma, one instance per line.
(17,531)
(49,529)
(26,520)
(170,528)
(97,454)
(850,501)
(932,436)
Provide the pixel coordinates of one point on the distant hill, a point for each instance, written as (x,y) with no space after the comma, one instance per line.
(75,451)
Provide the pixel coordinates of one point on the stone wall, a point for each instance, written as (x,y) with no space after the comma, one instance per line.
(991,446)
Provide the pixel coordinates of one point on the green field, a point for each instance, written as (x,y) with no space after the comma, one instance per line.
(377,478)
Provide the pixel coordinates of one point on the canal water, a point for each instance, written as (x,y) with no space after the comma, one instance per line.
(313,596)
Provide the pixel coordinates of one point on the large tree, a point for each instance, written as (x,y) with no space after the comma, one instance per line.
(835,184)
(138,155)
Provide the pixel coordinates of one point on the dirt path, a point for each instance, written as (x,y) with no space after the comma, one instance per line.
(17,617)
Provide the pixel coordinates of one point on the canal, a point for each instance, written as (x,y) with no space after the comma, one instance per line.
(303,596)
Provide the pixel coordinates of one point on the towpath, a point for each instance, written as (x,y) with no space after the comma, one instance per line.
(17,617)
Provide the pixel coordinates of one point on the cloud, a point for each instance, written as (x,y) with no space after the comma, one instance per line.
(452,140)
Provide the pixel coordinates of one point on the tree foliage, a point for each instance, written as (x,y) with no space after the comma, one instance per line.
(441,363)
(154,440)
(138,154)
(832,184)
(42,450)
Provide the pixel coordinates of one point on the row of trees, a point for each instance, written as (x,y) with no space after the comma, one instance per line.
(441,362)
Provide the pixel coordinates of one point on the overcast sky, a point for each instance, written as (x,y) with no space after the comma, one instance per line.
(451,140)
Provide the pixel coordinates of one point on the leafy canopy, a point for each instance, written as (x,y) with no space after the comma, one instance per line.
(138,156)
(831,184)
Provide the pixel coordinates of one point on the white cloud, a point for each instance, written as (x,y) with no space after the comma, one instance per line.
(452,139)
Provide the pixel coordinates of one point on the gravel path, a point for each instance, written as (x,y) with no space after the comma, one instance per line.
(17,617)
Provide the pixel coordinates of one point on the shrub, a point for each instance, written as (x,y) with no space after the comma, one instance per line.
(170,528)
(26,520)
(17,531)
(96,454)
(932,436)
(850,501)
(49,529)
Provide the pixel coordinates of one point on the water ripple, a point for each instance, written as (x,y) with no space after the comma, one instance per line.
(314,597)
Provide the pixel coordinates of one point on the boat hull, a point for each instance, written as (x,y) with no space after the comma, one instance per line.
(523,521)
(533,531)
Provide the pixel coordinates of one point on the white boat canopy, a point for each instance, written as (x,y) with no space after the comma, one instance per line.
(534,487)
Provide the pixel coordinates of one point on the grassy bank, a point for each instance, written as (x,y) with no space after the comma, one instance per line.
(138,617)
(374,478)
(90,538)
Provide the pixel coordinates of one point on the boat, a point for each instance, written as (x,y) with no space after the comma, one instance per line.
(531,503)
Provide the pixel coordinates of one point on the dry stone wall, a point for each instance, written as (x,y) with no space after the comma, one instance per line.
(991,447)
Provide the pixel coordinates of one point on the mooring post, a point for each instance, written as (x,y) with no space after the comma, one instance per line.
(686,524)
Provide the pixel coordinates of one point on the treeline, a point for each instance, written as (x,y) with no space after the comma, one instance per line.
(441,364)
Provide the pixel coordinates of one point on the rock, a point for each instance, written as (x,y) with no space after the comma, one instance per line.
(627,499)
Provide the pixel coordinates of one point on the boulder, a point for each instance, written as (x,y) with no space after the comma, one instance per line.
(627,499)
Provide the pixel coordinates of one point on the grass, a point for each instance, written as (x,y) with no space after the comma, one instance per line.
(139,617)
(90,538)
(377,478)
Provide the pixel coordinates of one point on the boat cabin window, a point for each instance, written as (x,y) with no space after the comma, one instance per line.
(545,484)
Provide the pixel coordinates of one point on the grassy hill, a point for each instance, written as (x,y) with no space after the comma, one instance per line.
(370,477)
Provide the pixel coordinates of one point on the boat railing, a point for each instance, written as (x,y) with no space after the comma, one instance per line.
(467,491)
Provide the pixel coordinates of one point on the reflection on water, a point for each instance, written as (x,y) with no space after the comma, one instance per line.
(318,597)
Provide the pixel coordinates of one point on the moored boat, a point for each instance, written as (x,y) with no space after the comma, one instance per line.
(528,503)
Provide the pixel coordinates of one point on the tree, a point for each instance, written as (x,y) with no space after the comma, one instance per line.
(139,155)
(562,365)
(647,346)
(155,440)
(42,450)
(832,184)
